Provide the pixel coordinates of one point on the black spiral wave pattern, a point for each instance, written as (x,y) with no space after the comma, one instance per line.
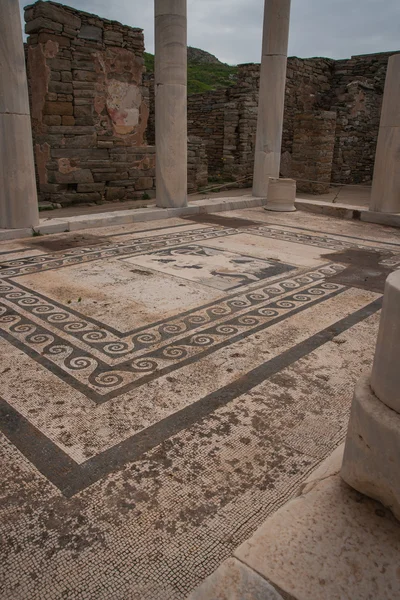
(46,344)
(115,348)
(196,343)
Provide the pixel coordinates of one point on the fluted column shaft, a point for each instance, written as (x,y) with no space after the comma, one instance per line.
(171,102)
(272,94)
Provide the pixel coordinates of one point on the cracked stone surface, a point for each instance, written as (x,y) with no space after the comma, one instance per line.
(154,413)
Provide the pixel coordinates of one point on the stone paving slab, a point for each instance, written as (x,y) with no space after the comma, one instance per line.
(152,418)
(234,581)
(331,542)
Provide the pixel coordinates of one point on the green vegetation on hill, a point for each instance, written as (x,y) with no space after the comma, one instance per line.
(202,77)
(149,62)
(206,77)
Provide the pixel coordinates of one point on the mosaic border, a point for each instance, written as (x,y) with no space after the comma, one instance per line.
(71,478)
(101,376)
(44,262)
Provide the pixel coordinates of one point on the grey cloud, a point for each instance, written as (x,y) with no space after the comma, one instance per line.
(232,29)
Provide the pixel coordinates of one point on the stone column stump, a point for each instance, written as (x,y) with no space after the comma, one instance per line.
(281,195)
(371,462)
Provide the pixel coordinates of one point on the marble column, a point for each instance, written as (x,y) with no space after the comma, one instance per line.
(18,196)
(385,194)
(272,94)
(171,102)
(371,461)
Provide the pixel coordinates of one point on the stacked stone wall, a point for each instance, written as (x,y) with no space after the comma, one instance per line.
(92,112)
(197,164)
(357,93)
(89,106)
(229,116)
(353,88)
(312,151)
(206,120)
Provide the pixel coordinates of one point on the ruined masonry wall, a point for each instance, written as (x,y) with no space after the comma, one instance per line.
(93,113)
(197,164)
(89,106)
(357,86)
(206,120)
(227,119)
(352,88)
(312,151)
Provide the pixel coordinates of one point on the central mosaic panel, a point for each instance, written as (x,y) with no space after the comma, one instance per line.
(215,268)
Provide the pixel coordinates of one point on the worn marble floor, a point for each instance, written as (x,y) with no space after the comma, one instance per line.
(164,387)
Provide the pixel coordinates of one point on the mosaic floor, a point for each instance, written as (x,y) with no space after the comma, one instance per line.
(164,387)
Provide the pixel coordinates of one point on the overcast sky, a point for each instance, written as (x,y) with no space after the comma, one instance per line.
(232,29)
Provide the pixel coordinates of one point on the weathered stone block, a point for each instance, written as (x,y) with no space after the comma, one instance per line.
(52,119)
(115,193)
(83,111)
(85,76)
(58,108)
(85,154)
(52,188)
(29,13)
(83,121)
(59,64)
(83,101)
(79,176)
(81,198)
(91,187)
(143,183)
(57,14)
(80,141)
(68,120)
(84,93)
(59,39)
(66,76)
(59,87)
(72,130)
(113,36)
(72,33)
(41,23)
(83,85)
(53,140)
(110,176)
(89,32)
(121,182)
(84,65)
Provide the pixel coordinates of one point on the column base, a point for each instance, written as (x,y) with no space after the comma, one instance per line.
(281,195)
(371,462)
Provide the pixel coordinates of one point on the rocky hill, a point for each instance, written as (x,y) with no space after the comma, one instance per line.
(197,56)
(205,71)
